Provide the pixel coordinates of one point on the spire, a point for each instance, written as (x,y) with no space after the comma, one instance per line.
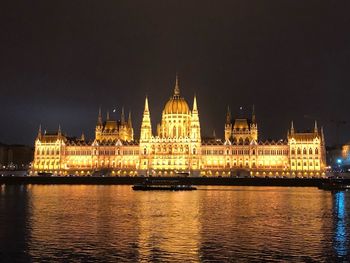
(82,136)
(315,128)
(99,119)
(322,135)
(214,134)
(39,132)
(228,115)
(146,104)
(194,104)
(146,129)
(177,87)
(292,128)
(122,118)
(107,115)
(253,114)
(129,120)
(59,130)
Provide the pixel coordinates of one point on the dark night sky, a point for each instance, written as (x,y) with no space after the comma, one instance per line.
(60,60)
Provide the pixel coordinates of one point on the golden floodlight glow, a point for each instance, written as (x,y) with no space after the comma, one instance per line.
(177,147)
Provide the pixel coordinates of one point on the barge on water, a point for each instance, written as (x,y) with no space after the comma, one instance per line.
(162,185)
(335,185)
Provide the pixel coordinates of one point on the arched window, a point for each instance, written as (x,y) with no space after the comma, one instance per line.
(179,132)
(144,151)
(304,151)
(298,151)
(310,151)
(194,150)
(316,150)
(293,151)
(246,141)
(253,152)
(174,131)
(240,141)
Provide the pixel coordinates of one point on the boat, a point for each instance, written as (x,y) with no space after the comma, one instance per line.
(161,185)
(335,185)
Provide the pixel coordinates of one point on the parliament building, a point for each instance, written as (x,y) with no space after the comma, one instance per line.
(178,147)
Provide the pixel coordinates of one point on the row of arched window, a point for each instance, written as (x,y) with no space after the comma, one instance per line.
(47,151)
(298,151)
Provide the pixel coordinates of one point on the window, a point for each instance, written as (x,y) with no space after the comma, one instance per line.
(298,151)
(316,150)
(310,151)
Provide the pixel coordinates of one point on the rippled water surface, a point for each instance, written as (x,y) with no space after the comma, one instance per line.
(212,224)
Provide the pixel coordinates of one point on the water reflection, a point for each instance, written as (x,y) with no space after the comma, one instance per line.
(341,224)
(15,223)
(115,224)
(168,225)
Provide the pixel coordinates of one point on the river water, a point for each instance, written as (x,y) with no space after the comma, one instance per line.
(213,224)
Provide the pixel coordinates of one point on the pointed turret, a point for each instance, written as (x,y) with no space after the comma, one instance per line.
(146,105)
(253,114)
(322,135)
(254,125)
(146,128)
(214,134)
(82,138)
(39,132)
(107,115)
(195,125)
(228,115)
(129,120)
(194,109)
(292,128)
(177,87)
(59,132)
(99,118)
(122,117)
(228,125)
(315,127)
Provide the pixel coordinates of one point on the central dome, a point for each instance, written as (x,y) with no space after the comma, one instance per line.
(176,104)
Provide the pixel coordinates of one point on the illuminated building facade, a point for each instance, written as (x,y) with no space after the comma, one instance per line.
(178,147)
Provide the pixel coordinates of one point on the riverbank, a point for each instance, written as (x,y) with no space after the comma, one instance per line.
(295,182)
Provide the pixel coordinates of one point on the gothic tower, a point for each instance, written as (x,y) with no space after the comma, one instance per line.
(228,125)
(146,128)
